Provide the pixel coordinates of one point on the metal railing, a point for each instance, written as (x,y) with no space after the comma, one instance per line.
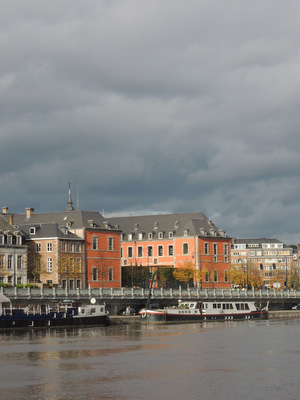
(134,293)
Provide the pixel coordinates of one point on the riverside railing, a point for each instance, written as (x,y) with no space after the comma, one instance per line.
(156,293)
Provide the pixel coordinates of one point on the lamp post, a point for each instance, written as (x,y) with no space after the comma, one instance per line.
(286,274)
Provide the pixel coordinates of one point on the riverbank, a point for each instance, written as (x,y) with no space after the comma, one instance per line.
(135,319)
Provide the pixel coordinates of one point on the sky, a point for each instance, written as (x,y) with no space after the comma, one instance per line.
(161,106)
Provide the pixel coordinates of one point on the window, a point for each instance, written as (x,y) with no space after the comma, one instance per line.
(49,265)
(1,239)
(121,252)
(9,262)
(215,248)
(71,247)
(19,280)
(95,242)
(129,252)
(111,243)
(160,251)
(32,231)
(160,235)
(49,247)
(38,247)
(140,251)
(95,274)
(19,262)
(9,239)
(226,276)
(150,235)
(140,236)
(206,248)
(71,283)
(78,247)
(206,276)
(215,276)
(170,250)
(64,283)
(185,232)
(226,249)
(170,235)
(150,251)
(63,246)
(226,259)
(185,248)
(78,264)
(78,284)
(130,236)
(110,274)
(9,279)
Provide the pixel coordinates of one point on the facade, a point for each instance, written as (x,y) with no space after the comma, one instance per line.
(269,257)
(103,257)
(13,254)
(176,240)
(55,255)
(62,241)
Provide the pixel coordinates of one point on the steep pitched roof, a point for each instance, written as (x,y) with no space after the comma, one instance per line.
(5,226)
(75,219)
(47,230)
(197,224)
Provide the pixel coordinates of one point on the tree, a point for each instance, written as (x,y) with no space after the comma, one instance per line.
(69,268)
(34,264)
(185,273)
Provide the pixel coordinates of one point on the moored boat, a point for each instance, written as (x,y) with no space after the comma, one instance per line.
(62,315)
(196,311)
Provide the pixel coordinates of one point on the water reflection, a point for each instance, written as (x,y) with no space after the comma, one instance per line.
(219,360)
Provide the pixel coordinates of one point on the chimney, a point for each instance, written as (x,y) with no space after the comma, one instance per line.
(11,219)
(29,212)
(4,210)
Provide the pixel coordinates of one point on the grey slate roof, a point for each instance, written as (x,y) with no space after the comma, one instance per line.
(196,223)
(258,241)
(77,219)
(47,230)
(5,226)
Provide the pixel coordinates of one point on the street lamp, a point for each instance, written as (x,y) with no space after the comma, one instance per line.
(286,274)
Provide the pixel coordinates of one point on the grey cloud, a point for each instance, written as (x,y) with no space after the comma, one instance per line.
(153,107)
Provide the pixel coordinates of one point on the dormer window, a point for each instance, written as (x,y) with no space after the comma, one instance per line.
(150,235)
(160,235)
(140,236)
(156,225)
(171,235)
(32,230)
(176,224)
(185,232)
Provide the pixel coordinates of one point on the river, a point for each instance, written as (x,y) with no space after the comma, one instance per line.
(211,361)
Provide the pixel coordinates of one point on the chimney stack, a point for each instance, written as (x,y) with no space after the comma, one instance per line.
(29,212)
(11,219)
(4,210)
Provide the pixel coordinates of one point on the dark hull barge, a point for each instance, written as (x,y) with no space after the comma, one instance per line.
(61,316)
(188,312)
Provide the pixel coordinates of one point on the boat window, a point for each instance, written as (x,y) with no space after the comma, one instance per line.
(237,306)
(219,305)
(214,305)
(246,306)
(242,306)
(231,306)
(93,310)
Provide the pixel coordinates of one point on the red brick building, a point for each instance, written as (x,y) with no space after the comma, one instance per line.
(176,240)
(103,258)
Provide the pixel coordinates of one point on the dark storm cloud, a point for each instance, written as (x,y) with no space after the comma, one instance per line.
(154,107)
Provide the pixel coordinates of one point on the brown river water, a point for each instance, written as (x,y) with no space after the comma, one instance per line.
(211,361)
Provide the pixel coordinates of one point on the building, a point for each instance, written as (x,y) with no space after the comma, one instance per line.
(174,241)
(55,255)
(62,242)
(269,258)
(13,254)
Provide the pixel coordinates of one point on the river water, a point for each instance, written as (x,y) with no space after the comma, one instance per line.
(211,361)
